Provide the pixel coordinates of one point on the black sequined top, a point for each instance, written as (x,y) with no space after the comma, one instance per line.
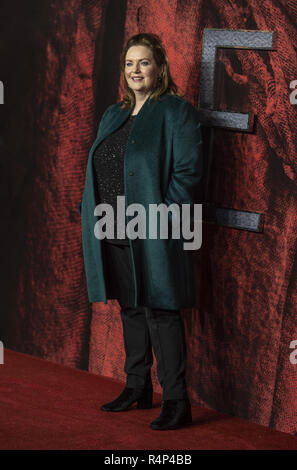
(108,161)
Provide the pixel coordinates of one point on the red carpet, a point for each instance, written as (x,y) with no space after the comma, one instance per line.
(45,405)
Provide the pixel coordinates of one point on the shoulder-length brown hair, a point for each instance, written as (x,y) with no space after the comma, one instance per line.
(165,84)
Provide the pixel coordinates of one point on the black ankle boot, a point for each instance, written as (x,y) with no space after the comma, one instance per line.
(143,396)
(174,414)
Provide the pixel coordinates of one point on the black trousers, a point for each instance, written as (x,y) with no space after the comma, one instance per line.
(146,330)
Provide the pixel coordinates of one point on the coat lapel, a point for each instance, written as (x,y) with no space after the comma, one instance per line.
(114,124)
(119,118)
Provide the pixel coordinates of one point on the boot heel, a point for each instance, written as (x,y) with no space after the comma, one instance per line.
(145,402)
(188,417)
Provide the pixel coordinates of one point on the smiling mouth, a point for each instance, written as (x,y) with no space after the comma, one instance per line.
(137,79)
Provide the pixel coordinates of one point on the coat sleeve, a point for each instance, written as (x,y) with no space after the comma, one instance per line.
(187,163)
(98,133)
(105,114)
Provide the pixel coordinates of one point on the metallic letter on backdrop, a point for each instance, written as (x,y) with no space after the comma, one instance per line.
(1,93)
(1,353)
(210,117)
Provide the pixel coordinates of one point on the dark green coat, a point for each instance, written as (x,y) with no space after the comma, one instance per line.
(163,163)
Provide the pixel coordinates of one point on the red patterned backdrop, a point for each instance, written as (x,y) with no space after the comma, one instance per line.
(60,69)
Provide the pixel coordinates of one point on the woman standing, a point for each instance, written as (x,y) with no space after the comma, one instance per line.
(148,149)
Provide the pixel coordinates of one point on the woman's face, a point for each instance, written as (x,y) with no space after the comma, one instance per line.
(140,63)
